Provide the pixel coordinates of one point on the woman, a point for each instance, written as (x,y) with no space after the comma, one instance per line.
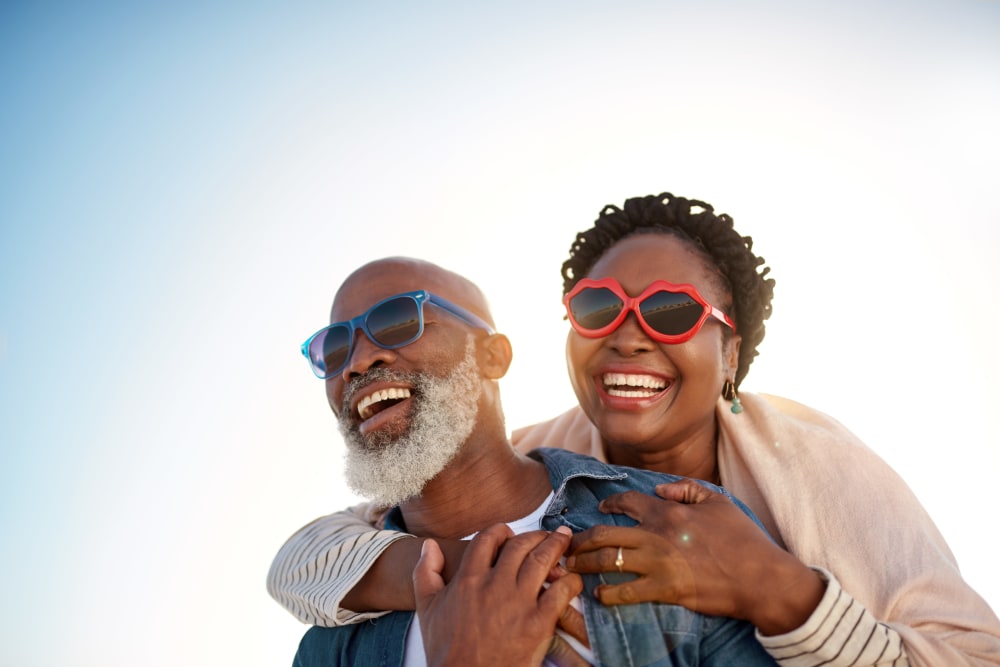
(667,304)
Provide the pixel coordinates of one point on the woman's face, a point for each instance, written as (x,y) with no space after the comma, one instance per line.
(675,387)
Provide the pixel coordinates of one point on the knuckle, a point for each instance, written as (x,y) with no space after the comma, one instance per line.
(521,543)
(490,536)
(631,496)
(618,594)
(606,558)
(600,533)
(540,557)
(627,594)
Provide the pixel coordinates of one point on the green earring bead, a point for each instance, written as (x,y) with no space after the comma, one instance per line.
(737,406)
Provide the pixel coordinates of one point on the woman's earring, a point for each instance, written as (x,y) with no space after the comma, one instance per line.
(729,393)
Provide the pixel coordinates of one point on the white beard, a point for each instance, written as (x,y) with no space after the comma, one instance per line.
(389,471)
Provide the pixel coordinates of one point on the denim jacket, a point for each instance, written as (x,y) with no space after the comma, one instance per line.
(653,634)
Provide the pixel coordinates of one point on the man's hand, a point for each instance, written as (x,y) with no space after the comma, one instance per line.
(496,610)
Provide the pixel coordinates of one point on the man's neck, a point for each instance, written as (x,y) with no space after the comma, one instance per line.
(486,484)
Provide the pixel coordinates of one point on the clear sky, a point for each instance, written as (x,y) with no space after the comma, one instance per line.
(184,185)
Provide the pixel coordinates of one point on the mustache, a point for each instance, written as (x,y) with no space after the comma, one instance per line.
(367,378)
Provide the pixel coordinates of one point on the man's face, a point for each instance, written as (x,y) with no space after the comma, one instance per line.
(404,413)
(389,467)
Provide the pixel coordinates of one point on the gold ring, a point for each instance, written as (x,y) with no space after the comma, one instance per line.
(619,562)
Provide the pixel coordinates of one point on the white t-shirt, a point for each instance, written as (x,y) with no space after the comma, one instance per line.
(415,656)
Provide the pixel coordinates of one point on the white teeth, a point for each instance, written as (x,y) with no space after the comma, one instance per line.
(631,394)
(615,380)
(381,395)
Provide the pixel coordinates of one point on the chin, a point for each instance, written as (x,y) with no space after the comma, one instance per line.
(616,428)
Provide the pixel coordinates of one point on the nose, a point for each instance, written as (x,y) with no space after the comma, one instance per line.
(365,355)
(629,338)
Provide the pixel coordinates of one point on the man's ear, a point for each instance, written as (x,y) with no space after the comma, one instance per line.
(495,355)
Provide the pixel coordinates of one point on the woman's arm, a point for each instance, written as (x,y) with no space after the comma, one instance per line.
(340,569)
(323,561)
(840,631)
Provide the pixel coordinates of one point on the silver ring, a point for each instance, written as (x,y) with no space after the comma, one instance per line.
(619,562)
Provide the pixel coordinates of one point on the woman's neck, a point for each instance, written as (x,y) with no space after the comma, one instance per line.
(694,457)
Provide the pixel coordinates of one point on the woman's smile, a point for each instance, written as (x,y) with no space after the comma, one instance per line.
(631,389)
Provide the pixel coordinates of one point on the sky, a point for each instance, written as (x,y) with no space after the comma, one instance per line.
(184,185)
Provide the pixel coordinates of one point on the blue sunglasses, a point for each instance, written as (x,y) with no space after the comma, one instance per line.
(391,323)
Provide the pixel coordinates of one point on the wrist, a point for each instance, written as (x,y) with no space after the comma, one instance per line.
(453,551)
(789,599)
(388,583)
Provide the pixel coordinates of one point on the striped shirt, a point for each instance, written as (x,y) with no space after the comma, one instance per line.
(839,632)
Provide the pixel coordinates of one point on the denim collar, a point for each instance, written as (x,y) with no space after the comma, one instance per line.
(562,466)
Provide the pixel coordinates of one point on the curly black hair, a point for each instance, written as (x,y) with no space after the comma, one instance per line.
(713,235)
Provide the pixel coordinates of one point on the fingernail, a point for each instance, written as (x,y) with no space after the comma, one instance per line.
(564,530)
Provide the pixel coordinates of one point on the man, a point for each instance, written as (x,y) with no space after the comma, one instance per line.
(417,399)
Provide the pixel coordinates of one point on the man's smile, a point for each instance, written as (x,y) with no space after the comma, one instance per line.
(380,399)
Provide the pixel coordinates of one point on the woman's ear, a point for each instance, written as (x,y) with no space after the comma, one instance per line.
(495,355)
(731,354)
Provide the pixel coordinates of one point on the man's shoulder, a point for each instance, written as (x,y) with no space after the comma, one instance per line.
(554,456)
(568,465)
(603,479)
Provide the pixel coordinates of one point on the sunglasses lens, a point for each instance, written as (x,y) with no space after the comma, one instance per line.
(395,322)
(671,313)
(595,308)
(328,351)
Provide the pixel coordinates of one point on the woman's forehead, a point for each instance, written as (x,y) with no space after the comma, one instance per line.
(641,259)
(644,258)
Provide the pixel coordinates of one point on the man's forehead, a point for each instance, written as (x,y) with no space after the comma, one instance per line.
(384,278)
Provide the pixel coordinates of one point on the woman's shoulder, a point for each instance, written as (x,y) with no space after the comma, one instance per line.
(773,420)
(570,430)
(792,411)
(780,444)
(781,438)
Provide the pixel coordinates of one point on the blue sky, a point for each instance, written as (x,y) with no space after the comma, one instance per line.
(183,186)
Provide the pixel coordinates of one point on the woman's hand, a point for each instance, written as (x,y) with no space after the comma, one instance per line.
(495,610)
(695,548)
